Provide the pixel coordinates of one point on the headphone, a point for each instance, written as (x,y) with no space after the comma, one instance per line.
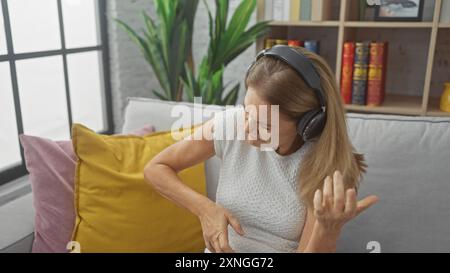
(312,122)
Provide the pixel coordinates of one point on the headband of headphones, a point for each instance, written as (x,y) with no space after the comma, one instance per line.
(301,64)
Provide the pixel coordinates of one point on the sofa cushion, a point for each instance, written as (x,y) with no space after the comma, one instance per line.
(409,159)
(17,225)
(51,165)
(164,114)
(116,210)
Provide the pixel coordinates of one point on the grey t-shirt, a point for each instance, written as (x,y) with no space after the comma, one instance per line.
(260,190)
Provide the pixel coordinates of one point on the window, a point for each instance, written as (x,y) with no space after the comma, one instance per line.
(3,50)
(53,72)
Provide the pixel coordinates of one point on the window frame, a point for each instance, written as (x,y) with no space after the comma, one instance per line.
(18,171)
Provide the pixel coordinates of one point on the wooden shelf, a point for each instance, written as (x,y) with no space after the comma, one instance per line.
(364,24)
(434,109)
(305,23)
(359,24)
(444,25)
(393,104)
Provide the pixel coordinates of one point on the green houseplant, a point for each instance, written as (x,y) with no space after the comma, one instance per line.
(160,43)
(173,64)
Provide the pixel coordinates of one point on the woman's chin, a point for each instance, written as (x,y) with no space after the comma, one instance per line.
(254,143)
(258,144)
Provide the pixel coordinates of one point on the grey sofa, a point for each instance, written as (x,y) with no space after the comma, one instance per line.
(409,169)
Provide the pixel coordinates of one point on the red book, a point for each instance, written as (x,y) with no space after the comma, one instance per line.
(377,74)
(295,43)
(385,60)
(348,55)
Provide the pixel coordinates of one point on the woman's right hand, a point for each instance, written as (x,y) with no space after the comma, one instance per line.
(215,220)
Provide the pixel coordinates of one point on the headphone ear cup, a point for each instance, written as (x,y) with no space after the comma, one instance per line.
(311,124)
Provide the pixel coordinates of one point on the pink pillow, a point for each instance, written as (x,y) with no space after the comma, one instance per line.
(51,165)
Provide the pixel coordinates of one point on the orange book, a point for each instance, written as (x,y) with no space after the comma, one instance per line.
(377,74)
(295,43)
(347,72)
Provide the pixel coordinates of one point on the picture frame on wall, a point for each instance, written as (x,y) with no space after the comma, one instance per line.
(400,10)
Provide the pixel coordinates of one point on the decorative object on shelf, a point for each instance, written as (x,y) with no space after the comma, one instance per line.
(445,98)
(400,10)
(173,64)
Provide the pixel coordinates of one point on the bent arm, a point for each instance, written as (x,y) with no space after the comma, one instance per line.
(333,207)
(161,171)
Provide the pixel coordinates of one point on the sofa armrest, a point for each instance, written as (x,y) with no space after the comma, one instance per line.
(17,224)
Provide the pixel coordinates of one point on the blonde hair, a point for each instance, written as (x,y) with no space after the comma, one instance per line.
(280,85)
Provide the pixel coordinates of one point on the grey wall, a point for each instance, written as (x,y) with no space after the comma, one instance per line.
(132,76)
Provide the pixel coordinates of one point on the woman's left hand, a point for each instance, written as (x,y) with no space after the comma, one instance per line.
(335,206)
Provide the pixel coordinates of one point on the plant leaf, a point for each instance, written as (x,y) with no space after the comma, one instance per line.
(159,95)
(232,96)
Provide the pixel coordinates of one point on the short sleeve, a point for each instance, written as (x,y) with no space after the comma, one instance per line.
(225,130)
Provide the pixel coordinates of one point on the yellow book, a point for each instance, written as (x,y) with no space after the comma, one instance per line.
(295,10)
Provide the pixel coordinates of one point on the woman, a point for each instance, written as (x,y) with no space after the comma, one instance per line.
(295,198)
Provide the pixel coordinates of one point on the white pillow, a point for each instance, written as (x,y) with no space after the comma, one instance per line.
(142,111)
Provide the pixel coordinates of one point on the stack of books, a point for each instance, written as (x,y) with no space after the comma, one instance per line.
(298,10)
(311,45)
(363,77)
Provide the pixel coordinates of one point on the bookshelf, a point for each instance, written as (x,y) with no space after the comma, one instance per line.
(394,104)
(364,24)
(413,52)
(305,23)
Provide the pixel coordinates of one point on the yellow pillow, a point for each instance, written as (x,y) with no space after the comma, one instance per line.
(116,210)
